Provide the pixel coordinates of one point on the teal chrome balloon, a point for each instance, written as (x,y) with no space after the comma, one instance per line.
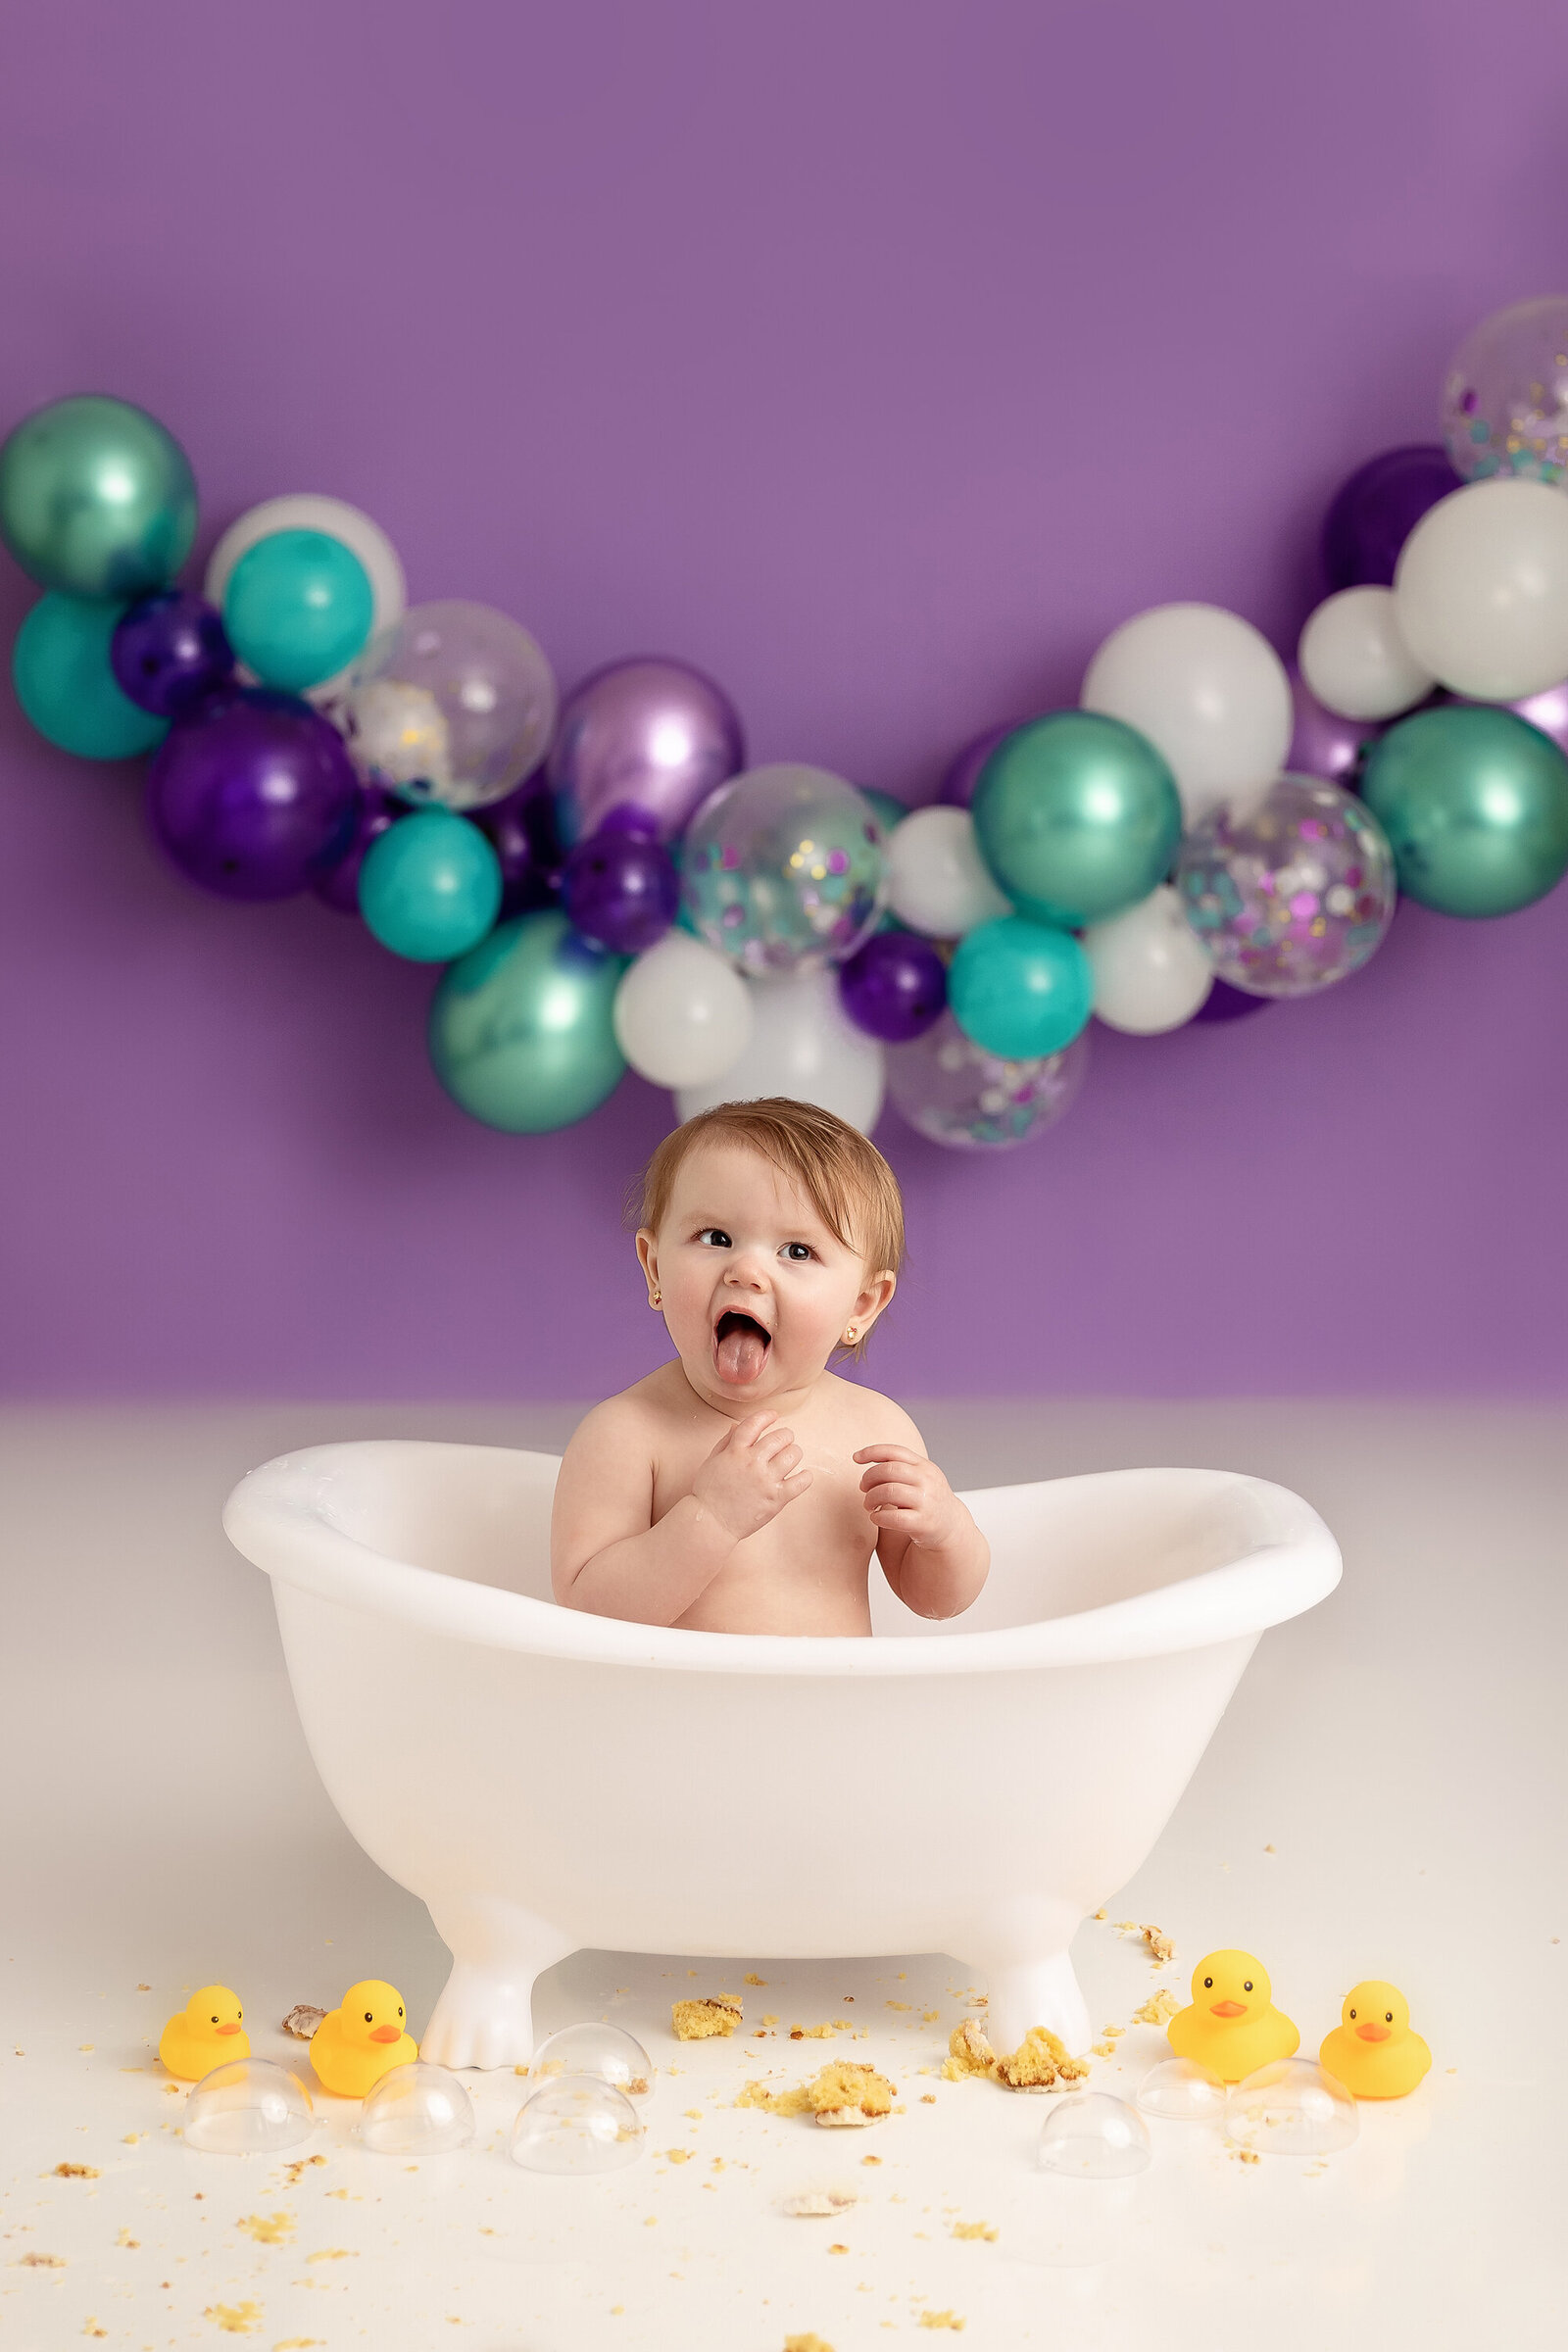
(520,1031)
(96,499)
(64,681)
(430,886)
(1475,804)
(1077,816)
(297,607)
(1020,988)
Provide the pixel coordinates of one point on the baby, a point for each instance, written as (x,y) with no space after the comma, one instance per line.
(743,1488)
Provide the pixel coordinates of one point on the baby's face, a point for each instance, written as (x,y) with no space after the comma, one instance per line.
(757,1291)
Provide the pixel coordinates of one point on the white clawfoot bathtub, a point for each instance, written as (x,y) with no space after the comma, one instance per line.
(547,1779)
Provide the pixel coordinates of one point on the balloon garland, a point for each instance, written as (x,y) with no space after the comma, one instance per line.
(606,883)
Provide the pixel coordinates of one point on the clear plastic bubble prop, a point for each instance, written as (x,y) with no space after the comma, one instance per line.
(1506,396)
(1181,2091)
(959,1094)
(782,869)
(1094,2137)
(248,2108)
(416,2110)
(576,2124)
(605,2052)
(1291,2108)
(1290,890)
(455,704)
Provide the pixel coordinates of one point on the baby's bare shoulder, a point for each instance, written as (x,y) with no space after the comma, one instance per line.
(868,1418)
(634,1420)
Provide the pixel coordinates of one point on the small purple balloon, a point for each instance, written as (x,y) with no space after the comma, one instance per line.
(1377,509)
(522,830)
(620,890)
(1226,1003)
(169,651)
(957,785)
(1325,745)
(640,746)
(895,986)
(339,887)
(254,794)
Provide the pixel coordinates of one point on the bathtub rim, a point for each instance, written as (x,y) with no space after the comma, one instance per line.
(272,1519)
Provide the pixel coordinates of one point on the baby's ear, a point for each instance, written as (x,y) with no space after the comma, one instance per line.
(645,1249)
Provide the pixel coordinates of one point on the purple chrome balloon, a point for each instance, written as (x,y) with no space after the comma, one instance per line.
(1226,1003)
(1377,509)
(639,746)
(621,891)
(522,830)
(339,887)
(895,986)
(254,794)
(1325,745)
(957,785)
(170,652)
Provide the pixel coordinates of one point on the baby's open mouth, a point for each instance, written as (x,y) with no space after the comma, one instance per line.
(740,1347)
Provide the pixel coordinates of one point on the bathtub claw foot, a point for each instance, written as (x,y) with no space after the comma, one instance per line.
(1035,1992)
(486,2014)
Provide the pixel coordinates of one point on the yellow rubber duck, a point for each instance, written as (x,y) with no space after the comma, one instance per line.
(1233,2025)
(208,2032)
(1372,2050)
(355,2045)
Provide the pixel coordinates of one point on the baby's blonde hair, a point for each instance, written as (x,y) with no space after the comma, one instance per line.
(846,1178)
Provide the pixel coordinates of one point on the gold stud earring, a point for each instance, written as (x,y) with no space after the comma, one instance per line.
(850,1336)
(653,1298)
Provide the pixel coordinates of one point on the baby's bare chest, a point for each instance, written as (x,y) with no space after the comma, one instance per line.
(825,1529)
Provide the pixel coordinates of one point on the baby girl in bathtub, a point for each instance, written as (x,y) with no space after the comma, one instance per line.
(743,1488)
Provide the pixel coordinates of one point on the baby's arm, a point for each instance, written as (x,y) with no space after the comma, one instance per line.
(608,1554)
(932,1553)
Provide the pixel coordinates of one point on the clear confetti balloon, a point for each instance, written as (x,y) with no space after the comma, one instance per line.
(416,2110)
(576,2124)
(953,1090)
(782,869)
(454,704)
(1094,2137)
(606,2052)
(248,2108)
(1506,396)
(1291,2108)
(1289,890)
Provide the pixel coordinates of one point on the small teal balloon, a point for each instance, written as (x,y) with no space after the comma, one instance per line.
(889,812)
(297,607)
(1475,804)
(64,683)
(1020,988)
(430,886)
(96,499)
(521,1034)
(1077,816)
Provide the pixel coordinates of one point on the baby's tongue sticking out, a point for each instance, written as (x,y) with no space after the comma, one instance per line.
(740,1349)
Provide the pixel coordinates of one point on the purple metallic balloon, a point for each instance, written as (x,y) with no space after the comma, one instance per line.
(254,794)
(895,986)
(169,651)
(339,887)
(1377,509)
(1325,745)
(639,746)
(957,785)
(522,830)
(1226,1003)
(621,891)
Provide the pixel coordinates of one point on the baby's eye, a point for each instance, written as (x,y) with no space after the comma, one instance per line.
(798,1252)
(715,1237)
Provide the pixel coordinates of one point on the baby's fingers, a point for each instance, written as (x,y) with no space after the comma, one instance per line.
(796,1484)
(753,1429)
(887,1453)
(895,1499)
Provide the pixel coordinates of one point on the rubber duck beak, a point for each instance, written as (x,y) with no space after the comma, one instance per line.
(387,2034)
(1228,2009)
(1373,2032)
(233,2029)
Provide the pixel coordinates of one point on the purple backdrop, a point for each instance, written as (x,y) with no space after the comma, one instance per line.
(878,359)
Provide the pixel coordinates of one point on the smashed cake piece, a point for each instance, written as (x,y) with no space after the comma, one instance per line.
(817,2204)
(303,2021)
(848,2095)
(968,2052)
(701,2020)
(1041,2061)
(1159,1945)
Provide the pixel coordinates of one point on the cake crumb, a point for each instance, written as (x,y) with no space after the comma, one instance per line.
(1039,2063)
(267,2229)
(807,2344)
(928,2098)
(76,2172)
(986,2230)
(752,1977)
(838,2247)
(679,2155)
(841,2097)
(870,2159)
(1248,2155)
(234,2319)
(815,2204)
(941,2319)
(40,2262)
(702,2020)
(1159,2008)
(1269,1849)
(1100,1914)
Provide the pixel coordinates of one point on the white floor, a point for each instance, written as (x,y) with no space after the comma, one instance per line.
(1385,1796)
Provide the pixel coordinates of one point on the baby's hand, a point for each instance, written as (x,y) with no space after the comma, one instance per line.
(752,1473)
(906,1494)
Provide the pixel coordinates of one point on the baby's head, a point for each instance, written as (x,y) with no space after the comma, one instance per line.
(771,1235)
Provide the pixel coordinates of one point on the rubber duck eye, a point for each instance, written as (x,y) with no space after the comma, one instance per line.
(399,2008)
(1388,2017)
(368,2014)
(1352,2012)
(1248,1986)
(214,2021)
(1208,1983)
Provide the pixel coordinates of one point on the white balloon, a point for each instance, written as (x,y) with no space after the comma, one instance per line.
(1207,688)
(682,1012)
(937,880)
(1482,589)
(1150,968)
(1353,657)
(802,1045)
(310,510)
